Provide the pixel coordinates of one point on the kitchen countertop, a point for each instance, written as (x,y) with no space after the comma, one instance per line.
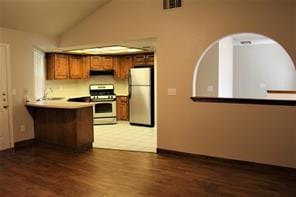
(59,104)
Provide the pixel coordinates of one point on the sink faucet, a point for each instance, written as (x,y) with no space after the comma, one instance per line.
(46,92)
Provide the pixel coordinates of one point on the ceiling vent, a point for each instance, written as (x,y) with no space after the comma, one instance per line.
(169,4)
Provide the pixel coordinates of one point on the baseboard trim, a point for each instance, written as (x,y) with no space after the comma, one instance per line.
(230,162)
(24,143)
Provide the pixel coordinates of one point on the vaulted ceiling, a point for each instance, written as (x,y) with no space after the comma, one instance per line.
(48,17)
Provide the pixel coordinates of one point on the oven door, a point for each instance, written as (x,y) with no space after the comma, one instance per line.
(104,109)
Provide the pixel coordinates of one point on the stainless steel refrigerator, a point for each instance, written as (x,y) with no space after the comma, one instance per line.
(141,89)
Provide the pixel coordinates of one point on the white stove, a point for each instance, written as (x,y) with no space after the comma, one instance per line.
(104,99)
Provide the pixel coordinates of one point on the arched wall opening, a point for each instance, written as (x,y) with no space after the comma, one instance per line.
(244,65)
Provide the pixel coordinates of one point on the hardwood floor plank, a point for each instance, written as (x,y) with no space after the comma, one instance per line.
(42,171)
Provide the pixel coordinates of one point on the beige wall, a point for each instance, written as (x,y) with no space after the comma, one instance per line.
(264,134)
(22,74)
(208,73)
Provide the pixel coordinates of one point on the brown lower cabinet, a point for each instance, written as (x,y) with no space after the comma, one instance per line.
(122,108)
(71,129)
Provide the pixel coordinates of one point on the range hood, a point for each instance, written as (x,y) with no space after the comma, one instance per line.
(101,72)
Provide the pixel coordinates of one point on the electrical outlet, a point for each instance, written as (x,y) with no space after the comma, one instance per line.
(210,88)
(172,91)
(23,128)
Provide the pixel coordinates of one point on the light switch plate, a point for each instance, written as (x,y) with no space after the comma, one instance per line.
(172,91)
(14,92)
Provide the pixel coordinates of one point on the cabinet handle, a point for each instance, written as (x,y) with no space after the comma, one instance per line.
(5,106)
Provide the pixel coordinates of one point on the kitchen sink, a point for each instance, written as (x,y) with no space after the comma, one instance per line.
(55,98)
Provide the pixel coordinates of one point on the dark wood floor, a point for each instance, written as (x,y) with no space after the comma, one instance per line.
(41,171)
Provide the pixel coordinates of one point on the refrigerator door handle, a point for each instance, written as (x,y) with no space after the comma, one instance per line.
(129,86)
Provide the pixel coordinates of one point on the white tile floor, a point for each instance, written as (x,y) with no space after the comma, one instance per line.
(123,136)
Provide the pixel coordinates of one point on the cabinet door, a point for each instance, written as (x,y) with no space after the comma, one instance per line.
(97,62)
(150,59)
(61,67)
(122,107)
(85,67)
(118,107)
(75,67)
(126,62)
(139,60)
(108,63)
(50,66)
(117,68)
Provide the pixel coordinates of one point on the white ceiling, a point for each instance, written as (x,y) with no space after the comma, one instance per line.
(48,17)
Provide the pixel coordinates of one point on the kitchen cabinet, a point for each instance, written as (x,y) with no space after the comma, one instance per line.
(69,66)
(125,62)
(75,67)
(96,62)
(150,59)
(143,59)
(64,66)
(101,63)
(139,59)
(122,107)
(108,63)
(85,67)
(122,64)
(70,128)
(57,66)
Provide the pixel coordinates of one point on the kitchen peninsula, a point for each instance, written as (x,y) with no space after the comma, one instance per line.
(68,125)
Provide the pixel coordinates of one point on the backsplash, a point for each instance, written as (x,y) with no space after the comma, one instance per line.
(73,88)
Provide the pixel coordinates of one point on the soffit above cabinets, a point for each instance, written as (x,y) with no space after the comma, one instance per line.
(48,17)
(145,45)
(107,50)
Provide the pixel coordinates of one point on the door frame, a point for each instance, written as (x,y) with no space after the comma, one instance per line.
(8,73)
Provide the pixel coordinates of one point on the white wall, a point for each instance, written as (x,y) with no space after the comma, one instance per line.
(225,73)
(22,74)
(262,67)
(207,76)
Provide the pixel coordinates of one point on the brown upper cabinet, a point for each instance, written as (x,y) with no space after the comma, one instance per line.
(100,63)
(150,59)
(75,66)
(143,59)
(139,60)
(57,66)
(68,66)
(64,66)
(122,64)
(85,67)
(108,64)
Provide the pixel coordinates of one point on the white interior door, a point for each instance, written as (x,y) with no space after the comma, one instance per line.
(4,114)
